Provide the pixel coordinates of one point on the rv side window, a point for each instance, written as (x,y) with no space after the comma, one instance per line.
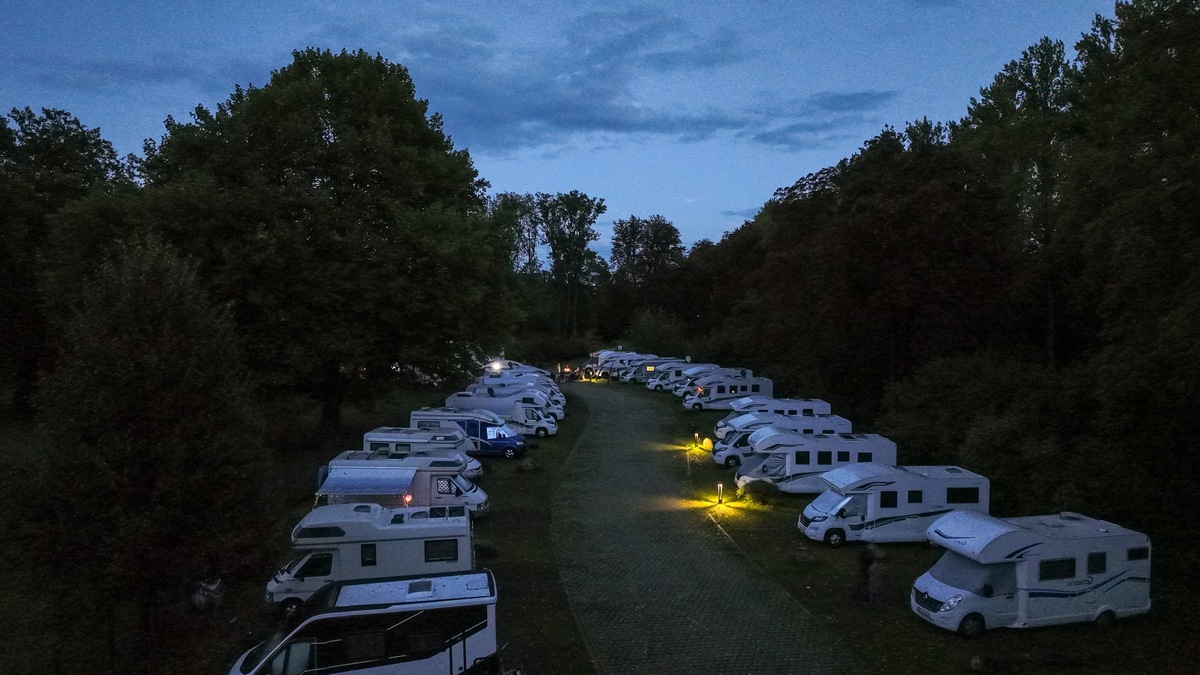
(887,499)
(962,495)
(915,496)
(754,388)
(441,550)
(806,431)
(802,457)
(843,455)
(437,512)
(471,427)
(865,457)
(320,532)
(808,412)
(1097,563)
(824,457)
(720,389)
(295,659)
(1052,570)
(457,511)
(319,565)
(428,424)
(367,555)
(1139,553)
(376,446)
(444,486)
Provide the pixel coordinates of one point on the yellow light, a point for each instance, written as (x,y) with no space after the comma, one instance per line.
(407,499)
(720,493)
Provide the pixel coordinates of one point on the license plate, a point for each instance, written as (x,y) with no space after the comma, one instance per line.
(924,613)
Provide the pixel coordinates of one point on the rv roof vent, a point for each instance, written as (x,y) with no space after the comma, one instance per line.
(420,586)
(362,508)
(953,469)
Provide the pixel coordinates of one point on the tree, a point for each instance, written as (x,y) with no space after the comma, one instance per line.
(514,219)
(46,162)
(567,226)
(334,215)
(644,248)
(155,441)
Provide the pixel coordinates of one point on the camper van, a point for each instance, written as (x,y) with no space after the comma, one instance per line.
(527,395)
(792,407)
(877,503)
(502,383)
(794,462)
(412,625)
(683,385)
(1031,571)
(358,541)
(527,418)
(489,433)
(664,373)
(615,364)
(718,392)
(502,365)
(735,447)
(400,442)
(355,477)
(641,372)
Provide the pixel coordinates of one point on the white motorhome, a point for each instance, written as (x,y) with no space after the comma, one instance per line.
(1031,571)
(794,462)
(664,374)
(526,418)
(358,541)
(641,372)
(718,392)
(878,503)
(412,625)
(489,433)
(400,442)
(502,365)
(527,395)
(502,383)
(792,407)
(681,386)
(355,477)
(735,447)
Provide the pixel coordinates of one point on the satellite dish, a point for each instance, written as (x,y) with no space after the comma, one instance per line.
(687,359)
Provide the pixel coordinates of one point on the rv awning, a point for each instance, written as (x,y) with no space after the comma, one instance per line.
(367,481)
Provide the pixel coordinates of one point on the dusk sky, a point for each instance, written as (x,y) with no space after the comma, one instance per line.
(696,110)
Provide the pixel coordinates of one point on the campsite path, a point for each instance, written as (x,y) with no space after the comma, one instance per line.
(654,585)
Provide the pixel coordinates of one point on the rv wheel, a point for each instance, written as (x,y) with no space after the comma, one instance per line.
(697,406)
(541,432)
(1105,619)
(835,538)
(288,607)
(658,387)
(732,462)
(510,453)
(971,626)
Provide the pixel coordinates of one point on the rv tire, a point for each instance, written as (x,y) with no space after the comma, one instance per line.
(972,626)
(541,432)
(1105,619)
(658,387)
(697,406)
(288,607)
(835,538)
(732,462)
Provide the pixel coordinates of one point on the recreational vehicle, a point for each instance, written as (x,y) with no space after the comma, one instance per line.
(641,372)
(526,418)
(877,503)
(399,442)
(411,625)
(792,407)
(718,392)
(503,383)
(664,373)
(489,433)
(794,462)
(735,447)
(687,383)
(356,541)
(1031,571)
(533,397)
(355,477)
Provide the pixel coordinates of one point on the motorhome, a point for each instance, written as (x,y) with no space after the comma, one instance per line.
(641,372)
(793,407)
(665,373)
(399,442)
(735,447)
(1031,571)
(591,367)
(615,364)
(489,433)
(679,387)
(502,365)
(502,383)
(718,392)
(357,541)
(526,418)
(877,503)
(355,477)
(525,395)
(794,462)
(412,625)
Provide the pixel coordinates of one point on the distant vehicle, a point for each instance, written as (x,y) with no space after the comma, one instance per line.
(794,462)
(735,447)
(878,503)
(525,417)
(1031,571)
(665,374)
(525,394)
(358,541)
(792,407)
(718,392)
(404,625)
(678,385)
(503,383)
(487,431)
(400,442)
(641,372)
(355,477)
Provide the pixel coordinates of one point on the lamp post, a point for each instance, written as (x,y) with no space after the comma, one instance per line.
(720,493)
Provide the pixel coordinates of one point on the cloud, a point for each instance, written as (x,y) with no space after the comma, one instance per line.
(745,214)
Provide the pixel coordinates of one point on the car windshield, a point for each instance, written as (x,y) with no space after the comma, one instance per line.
(959,571)
(827,501)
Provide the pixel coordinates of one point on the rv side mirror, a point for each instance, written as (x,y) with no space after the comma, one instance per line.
(986,591)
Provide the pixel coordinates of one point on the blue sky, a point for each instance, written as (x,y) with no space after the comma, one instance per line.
(694,110)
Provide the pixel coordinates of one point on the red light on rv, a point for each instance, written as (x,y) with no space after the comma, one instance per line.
(407,499)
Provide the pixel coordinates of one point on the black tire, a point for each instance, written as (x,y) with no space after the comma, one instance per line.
(732,462)
(289,607)
(1105,619)
(835,538)
(658,387)
(541,432)
(972,626)
(697,406)
(510,453)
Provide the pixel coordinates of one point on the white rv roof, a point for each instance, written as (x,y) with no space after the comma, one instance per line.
(856,475)
(987,539)
(412,435)
(452,412)
(360,519)
(746,402)
(472,585)
(382,480)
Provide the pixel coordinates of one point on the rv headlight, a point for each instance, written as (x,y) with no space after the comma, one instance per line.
(950,604)
(818,519)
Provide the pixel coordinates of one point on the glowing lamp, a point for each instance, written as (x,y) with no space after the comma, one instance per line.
(407,499)
(720,493)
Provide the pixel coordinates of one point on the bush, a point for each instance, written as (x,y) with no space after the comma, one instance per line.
(761,492)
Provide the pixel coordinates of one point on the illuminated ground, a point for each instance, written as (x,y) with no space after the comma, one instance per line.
(653,582)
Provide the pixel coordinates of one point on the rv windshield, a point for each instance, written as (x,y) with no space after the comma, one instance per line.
(827,501)
(463,484)
(260,651)
(959,571)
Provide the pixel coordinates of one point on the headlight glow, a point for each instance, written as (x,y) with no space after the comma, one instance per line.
(950,604)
